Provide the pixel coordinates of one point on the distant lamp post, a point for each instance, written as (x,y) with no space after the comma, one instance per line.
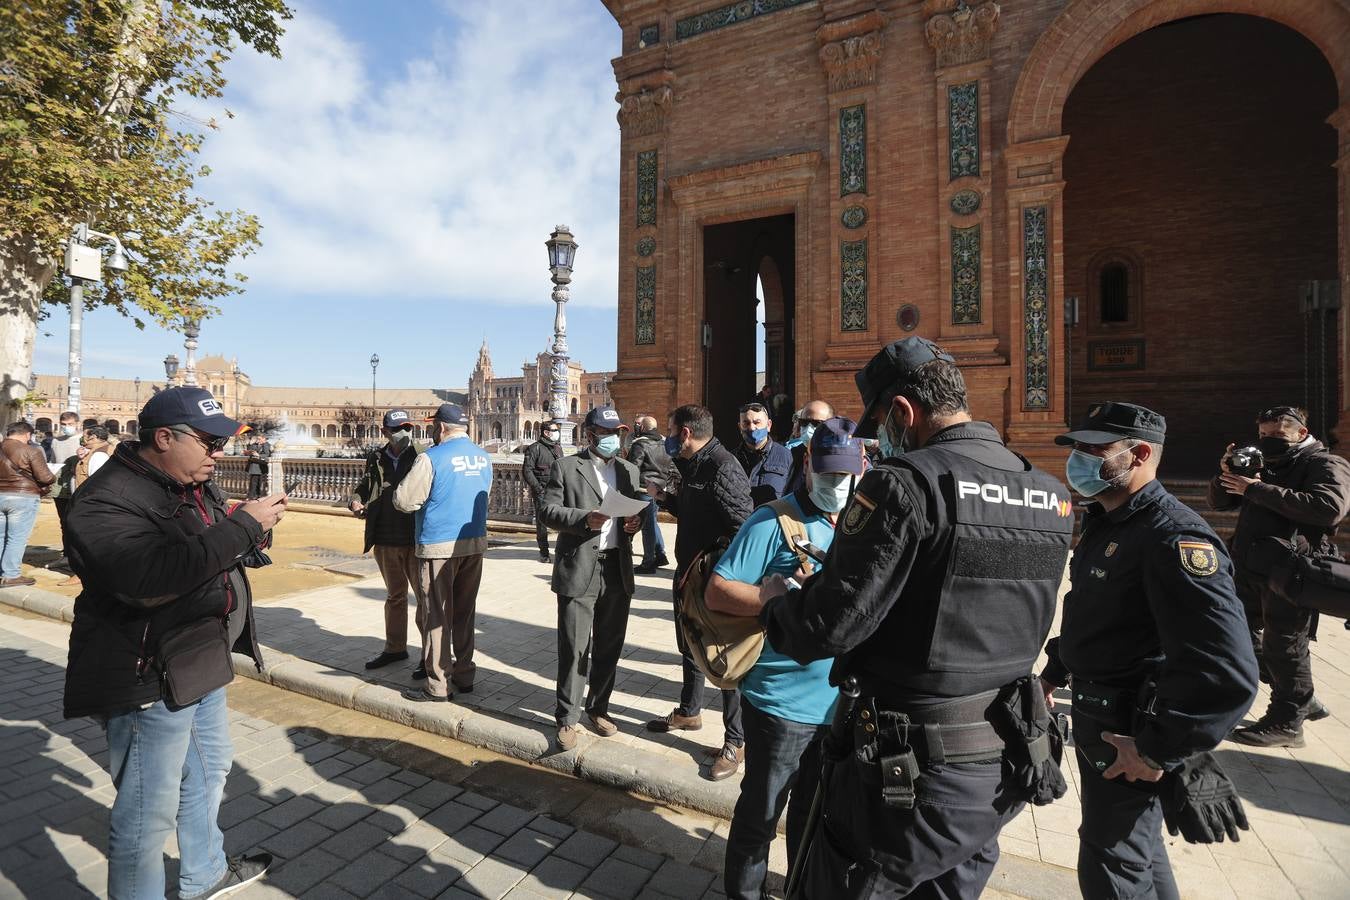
(191,331)
(84,264)
(28,398)
(137,382)
(562,252)
(374,410)
(170,369)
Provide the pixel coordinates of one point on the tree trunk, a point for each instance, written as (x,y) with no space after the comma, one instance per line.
(24,275)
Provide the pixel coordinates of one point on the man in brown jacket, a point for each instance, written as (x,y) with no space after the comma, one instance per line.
(24,478)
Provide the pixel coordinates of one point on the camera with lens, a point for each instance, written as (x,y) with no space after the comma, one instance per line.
(1246,461)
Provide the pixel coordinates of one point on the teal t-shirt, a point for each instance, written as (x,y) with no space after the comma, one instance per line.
(778,685)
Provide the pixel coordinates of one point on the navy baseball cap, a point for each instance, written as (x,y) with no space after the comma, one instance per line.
(604,417)
(450,414)
(835,449)
(887,370)
(1106,423)
(191,406)
(397,418)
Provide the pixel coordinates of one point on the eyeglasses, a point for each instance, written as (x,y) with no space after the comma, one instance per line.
(212,444)
(815,422)
(1275,413)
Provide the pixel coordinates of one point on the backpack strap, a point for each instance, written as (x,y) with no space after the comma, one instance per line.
(790,520)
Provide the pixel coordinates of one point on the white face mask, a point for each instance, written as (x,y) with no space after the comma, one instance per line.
(830,492)
(67,430)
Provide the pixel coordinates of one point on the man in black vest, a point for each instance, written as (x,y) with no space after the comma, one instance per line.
(535,467)
(648,452)
(1154,643)
(936,595)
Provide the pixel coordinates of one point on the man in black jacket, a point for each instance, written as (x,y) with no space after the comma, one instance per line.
(257,452)
(165,600)
(648,453)
(539,459)
(390,534)
(712,501)
(1300,496)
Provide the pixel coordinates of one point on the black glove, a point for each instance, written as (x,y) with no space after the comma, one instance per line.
(1033,742)
(1200,802)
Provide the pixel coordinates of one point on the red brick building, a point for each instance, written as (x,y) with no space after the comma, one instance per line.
(1177,171)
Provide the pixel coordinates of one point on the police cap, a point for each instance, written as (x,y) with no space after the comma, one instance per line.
(1106,423)
(887,370)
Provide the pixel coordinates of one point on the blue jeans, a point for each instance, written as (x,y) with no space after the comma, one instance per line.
(781,757)
(653,545)
(18,514)
(169,767)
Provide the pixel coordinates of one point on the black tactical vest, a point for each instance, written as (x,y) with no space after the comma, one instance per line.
(976,610)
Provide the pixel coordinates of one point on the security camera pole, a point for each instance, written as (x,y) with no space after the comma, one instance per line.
(84,263)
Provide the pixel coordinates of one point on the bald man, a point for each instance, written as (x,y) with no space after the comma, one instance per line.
(812,415)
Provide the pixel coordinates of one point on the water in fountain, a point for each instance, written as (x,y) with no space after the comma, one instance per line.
(295,444)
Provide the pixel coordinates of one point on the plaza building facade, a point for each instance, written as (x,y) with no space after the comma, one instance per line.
(508,410)
(1080,199)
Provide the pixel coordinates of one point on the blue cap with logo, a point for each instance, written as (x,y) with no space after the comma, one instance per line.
(397,418)
(191,406)
(604,417)
(835,449)
(450,414)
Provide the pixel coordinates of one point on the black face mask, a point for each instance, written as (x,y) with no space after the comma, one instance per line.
(1274,447)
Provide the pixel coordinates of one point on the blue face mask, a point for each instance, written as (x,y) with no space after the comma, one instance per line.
(753,436)
(888,447)
(807,431)
(607,445)
(1084,472)
(672,445)
(829,492)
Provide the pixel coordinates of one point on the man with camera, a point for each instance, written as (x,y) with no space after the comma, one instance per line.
(1292,488)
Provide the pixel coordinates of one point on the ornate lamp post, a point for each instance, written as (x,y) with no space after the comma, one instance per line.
(562,251)
(374,410)
(170,369)
(84,264)
(191,331)
(137,382)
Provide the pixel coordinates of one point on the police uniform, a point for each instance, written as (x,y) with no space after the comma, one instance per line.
(1154,644)
(938,591)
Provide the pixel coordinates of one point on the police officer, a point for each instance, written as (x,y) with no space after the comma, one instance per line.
(1153,642)
(936,595)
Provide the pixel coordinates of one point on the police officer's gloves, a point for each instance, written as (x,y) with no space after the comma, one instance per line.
(1200,802)
(1033,742)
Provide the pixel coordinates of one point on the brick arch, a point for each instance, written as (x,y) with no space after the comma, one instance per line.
(1089,29)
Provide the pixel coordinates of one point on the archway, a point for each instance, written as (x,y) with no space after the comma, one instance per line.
(1200,194)
(496,431)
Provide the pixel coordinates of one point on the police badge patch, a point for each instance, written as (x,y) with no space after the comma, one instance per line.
(1198,557)
(859,511)
(1111,548)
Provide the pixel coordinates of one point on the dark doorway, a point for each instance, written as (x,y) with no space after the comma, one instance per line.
(741,259)
(1200,198)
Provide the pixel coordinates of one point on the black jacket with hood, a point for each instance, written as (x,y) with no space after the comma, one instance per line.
(154,556)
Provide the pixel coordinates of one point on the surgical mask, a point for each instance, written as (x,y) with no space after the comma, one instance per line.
(753,436)
(672,445)
(552,435)
(806,433)
(889,447)
(830,492)
(67,430)
(1084,472)
(1274,446)
(401,438)
(607,445)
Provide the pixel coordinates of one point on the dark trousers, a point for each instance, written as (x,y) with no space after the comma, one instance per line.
(781,758)
(691,694)
(653,545)
(591,630)
(62,507)
(257,485)
(540,529)
(1280,634)
(1120,843)
(944,847)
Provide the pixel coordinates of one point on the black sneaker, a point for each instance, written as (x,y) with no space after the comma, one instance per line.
(544,557)
(419,673)
(644,568)
(417,695)
(1269,734)
(1317,711)
(243,870)
(385,658)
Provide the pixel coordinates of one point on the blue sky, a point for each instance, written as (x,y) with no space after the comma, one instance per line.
(407,160)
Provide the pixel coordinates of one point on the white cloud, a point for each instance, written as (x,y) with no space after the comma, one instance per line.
(440,181)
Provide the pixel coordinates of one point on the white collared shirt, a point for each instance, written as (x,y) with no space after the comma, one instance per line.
(604,476)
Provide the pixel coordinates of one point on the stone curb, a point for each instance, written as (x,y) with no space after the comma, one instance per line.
(594,759)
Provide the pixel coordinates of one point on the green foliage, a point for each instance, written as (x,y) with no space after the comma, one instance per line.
(89,132)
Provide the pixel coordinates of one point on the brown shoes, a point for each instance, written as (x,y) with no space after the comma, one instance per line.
(728,763)
(676,722)
(602,724)
(567,736)
(20,581)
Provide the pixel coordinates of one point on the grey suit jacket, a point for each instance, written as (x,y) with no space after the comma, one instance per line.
(572,493)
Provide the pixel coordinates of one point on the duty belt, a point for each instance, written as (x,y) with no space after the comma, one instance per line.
(903,741)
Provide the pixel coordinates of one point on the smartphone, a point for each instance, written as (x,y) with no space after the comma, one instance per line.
(290,487)
(793,584)
(809,549)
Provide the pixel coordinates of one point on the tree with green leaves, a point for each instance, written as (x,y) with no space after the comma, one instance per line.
(90,134)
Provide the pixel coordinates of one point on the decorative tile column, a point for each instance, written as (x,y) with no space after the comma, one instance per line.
(1340,120)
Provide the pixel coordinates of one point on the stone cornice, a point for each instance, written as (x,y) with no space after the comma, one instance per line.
(850,50)
(960,33)
(792,168)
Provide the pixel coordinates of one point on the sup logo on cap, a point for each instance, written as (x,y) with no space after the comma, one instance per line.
(210,407)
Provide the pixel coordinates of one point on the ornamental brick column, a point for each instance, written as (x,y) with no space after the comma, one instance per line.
(1340,120)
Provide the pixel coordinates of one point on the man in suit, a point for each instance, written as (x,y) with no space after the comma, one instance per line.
(592,571)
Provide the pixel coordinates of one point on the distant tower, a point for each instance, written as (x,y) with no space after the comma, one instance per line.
(480,392)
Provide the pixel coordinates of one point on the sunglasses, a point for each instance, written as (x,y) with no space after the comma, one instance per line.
(212,444)
(1275,413)
(752,407)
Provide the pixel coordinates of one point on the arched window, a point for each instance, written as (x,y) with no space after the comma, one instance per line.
(528,431)
(360,432)
(332,432)
(113,426)
(316,431)
(497,431)
(574,406)
(1115,287)
(133,426)
(346,431)
(44,424)
(1114,284)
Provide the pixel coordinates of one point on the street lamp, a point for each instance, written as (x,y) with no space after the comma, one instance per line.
(84,264)
(191,331)
(137,382)
(170,369)
(374,410)
(562,251)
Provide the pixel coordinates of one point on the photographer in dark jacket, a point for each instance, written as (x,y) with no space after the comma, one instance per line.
(539,459)
(165,600)
(1300,495)
(712,501)
(648,452)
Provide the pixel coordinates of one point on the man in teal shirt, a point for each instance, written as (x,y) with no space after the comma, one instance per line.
(786,706)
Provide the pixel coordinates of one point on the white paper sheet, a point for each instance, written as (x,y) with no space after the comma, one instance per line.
(617,506)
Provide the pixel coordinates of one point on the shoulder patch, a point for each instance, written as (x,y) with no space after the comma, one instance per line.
(1198,557)
(858,512)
